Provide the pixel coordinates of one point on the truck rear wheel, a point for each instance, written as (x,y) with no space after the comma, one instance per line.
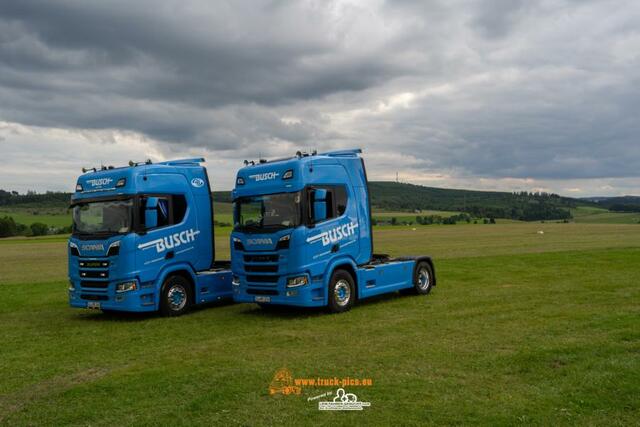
(423,278)
(176,296)
(342,291)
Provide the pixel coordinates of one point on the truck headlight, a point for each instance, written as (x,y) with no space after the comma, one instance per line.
(72,288)
(283,242)
(114,249)
(126,286)
(237,244)
(235,281)
(73,248)
(294,282)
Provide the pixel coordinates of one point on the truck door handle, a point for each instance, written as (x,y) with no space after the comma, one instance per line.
(335,248)
(169,255)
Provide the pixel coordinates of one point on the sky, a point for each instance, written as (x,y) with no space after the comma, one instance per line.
(491,95)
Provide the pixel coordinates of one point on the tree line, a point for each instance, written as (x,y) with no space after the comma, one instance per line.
(10,228)
(524,206)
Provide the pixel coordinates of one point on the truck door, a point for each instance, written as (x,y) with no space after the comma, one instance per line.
(335,234)
(166,235)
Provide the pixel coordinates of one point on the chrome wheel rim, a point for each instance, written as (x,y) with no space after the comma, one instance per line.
(424,280)
(342,293)
(177,297)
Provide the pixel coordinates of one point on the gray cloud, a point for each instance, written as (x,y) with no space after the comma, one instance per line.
(496,89)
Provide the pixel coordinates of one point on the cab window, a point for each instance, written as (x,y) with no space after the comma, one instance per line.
(168,210)
(336,202)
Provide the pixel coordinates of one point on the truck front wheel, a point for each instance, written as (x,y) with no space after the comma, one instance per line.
(342,291)
(176,296)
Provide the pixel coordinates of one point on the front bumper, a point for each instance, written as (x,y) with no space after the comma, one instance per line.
(143,299)
(310,295)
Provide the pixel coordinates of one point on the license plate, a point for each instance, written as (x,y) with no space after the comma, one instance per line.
(93,305)
(263,299)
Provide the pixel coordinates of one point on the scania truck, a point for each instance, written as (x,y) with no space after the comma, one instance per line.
(143,239)
(302,236)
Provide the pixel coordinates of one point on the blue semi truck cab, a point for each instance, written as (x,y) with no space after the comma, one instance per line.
(143,239)
(303,237)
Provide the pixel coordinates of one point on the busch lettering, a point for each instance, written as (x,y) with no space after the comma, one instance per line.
(171,241)
(335,234)
(264,176)
(99,182)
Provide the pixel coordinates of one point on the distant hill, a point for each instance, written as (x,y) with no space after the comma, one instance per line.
(49,199)
(521,206)
(394,196)
(617,204)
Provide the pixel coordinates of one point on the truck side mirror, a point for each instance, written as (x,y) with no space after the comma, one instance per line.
(319,205)
(151,213)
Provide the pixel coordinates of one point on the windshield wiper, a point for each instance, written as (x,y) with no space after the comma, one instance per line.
(98,233)
(251,227)
(277,226)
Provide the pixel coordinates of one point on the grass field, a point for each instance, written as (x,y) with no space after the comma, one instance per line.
(523,328)
(602,216)
(27,216)
(58,217)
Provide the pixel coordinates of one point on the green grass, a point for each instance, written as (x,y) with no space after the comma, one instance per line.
(603,216)
(223,212)
(59,217)
(523,328)
(27,216)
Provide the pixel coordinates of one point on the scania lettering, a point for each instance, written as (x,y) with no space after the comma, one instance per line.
(304,238)
(143,239)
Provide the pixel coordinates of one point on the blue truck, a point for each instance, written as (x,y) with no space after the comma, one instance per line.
(143,239)
(302,236)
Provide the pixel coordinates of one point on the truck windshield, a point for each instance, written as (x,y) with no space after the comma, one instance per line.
(103,217)
(267,212)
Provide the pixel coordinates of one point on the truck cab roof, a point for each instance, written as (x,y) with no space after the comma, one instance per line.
(291,174)
(135,178)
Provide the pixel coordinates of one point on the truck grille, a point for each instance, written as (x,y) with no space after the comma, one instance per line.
(249,268)
(94,284)
(262,279)
(94,274)
(261,258)
(94,264)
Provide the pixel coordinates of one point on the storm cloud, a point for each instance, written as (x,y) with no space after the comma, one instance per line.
(484,94)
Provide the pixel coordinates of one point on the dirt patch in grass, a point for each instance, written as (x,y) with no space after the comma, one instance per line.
(14,402)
